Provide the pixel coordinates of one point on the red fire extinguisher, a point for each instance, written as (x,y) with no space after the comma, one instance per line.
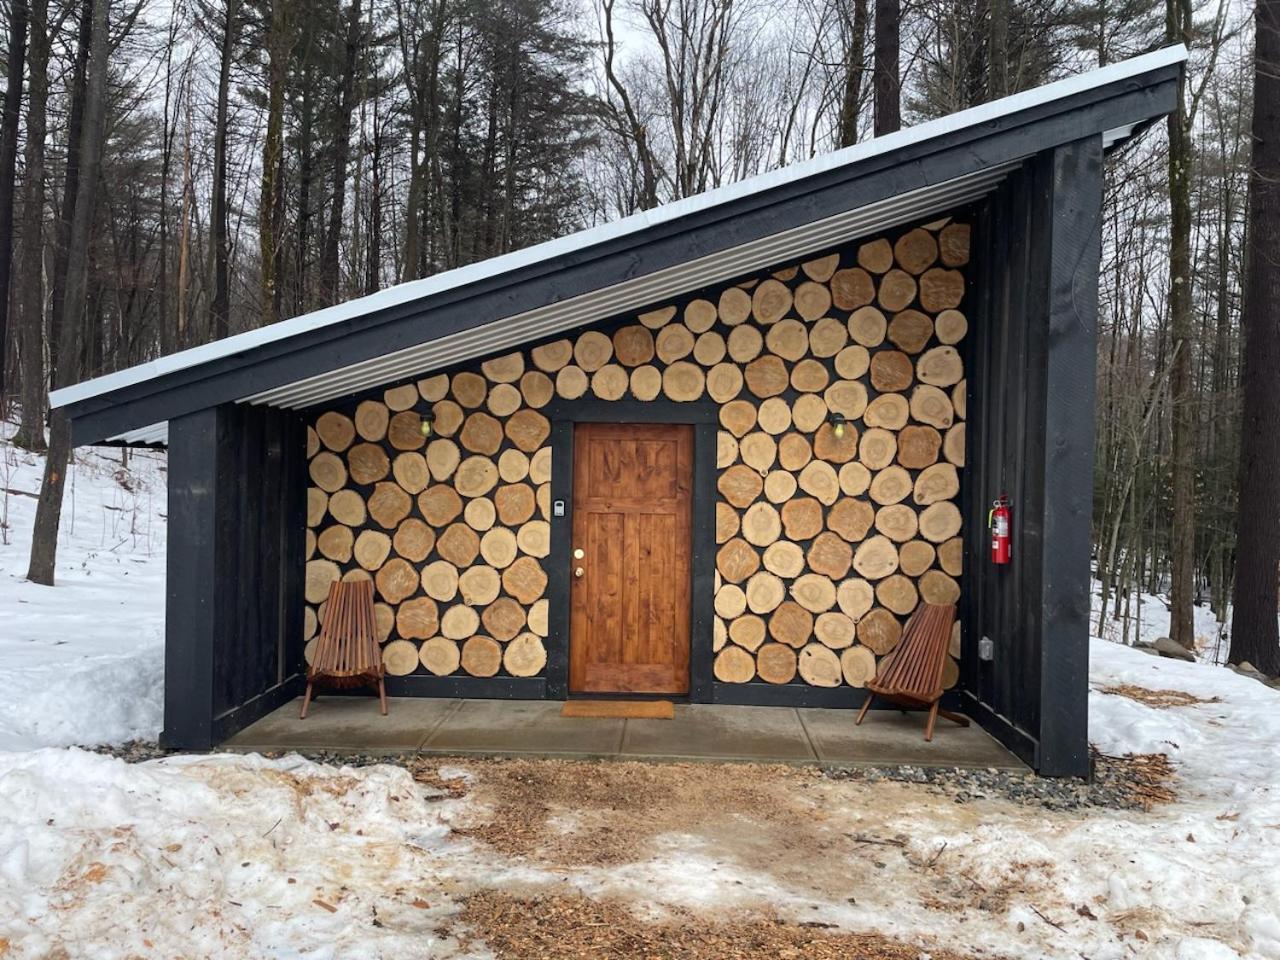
(998,521)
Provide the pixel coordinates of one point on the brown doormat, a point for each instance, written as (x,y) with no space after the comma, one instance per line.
(640,709)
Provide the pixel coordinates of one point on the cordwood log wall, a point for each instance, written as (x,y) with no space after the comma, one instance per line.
(825,543)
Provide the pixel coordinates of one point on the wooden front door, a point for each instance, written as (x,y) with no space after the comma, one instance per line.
(632,516)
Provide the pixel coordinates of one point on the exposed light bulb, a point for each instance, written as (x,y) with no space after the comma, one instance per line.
(426,426)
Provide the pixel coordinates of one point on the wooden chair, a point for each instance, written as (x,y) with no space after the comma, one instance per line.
(912,675)
(347,652)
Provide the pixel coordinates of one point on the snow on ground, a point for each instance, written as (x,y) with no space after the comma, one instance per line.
(82,661)
(1149,618)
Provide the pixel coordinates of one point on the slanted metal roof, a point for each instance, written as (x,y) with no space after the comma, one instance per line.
(415,328)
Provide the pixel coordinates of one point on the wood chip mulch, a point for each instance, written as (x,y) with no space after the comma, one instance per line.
(1160,699)
(557,927)
(1147,778)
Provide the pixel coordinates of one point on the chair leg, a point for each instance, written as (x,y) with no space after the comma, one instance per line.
(933,718)
(863,712)
(382,695)
(954,717)
(306,702)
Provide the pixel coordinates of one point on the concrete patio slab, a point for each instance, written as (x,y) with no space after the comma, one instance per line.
(719,731)
(525,727)
(890,738)
(343,723)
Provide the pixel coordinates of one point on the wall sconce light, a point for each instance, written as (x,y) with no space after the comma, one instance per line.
(427,420)
(837,425)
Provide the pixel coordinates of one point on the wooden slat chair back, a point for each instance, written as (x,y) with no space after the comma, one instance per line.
(347,652)
(912,675)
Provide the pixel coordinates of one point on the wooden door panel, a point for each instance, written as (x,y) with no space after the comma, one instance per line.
(632,513)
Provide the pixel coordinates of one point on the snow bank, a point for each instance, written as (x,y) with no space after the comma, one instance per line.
(83,661)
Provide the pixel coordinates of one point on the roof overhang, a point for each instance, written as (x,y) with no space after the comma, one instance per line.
(415,328)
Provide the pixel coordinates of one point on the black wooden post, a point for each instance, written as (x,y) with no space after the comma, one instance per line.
(1074,235)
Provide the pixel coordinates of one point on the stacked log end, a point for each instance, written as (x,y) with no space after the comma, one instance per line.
(827,538)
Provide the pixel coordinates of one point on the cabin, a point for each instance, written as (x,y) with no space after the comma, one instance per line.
(716,451)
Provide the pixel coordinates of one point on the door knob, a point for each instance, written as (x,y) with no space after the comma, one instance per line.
(578,571)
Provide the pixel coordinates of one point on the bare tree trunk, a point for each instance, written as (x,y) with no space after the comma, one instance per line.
(8,164)
(1254,636)
(271,200)
(888,107)
(851,94)
(220,304)
(44,541)
(30,296)
(184,240)
(329,268)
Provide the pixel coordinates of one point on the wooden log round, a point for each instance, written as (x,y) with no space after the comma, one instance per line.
(371,549)
(481,656)
(442,457)
(890,485)
(850,519)
(540,466)
(834,630)
(791,624)
(940,521)
(656,319)
(875,558)
(317,503)
(889,410)
(439,656)
(504,369)
(440,580)
(953,444)
(835,449)
(513,465)
(433,388)
(854,479)
(910,331)
(528,429)
(646,382)
(417,619)
(938,587)
(740,485)
(877,448)
(737,560)
(918,446)
(852,288)
(951,556)
(674,342)
(738,417)
(536,388)
(504,399)
(879,631)
(779,486)
(818,666)
(503,619)
(941,289)
(724,382)
(802,517)
(915,557)
(847,398)
(402,397)
(794,451)
(347,506)
(404,431)
(734,664)
(734,306)
(764,592)
(776,663)
(765,376)
(867,326)
(410,471)
(815,592)
(388,505)
(475,476)
(413,540)
(770,301)
(897,289)
(458,544)
(853,362)
(571,382)
(700,315)
(726,449)
(683,381)
(830,555)
(592,351)
(858,665)
(809,376)
(855,597)
(954,647)
(313,442)
(891,371)
(335,542)
(774,416)
(897,521)
(784,558)
(514,502)
(498,547)
(953,242)
(309,624)
(525,580)
(400,658)
(761,524)
(534,538)
(828,337)
(916,251)
(876,256)
(439,504)
(709,349)
(309,544)
(932,406)
(951,326)
(550,357)
(758,451)
(355,574)
(935,483)
(812,300)
(819,479)
(960,398)
(469,389)
(748,631)
(320,574)
(941,366)
(731,601)
(727,522)
(897,594)
(372,417)
(459,622)
(448,418)
(820,269)
(478,586)
(327,471)
(808,412)
(525,656)
(396,580)
(788,339)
